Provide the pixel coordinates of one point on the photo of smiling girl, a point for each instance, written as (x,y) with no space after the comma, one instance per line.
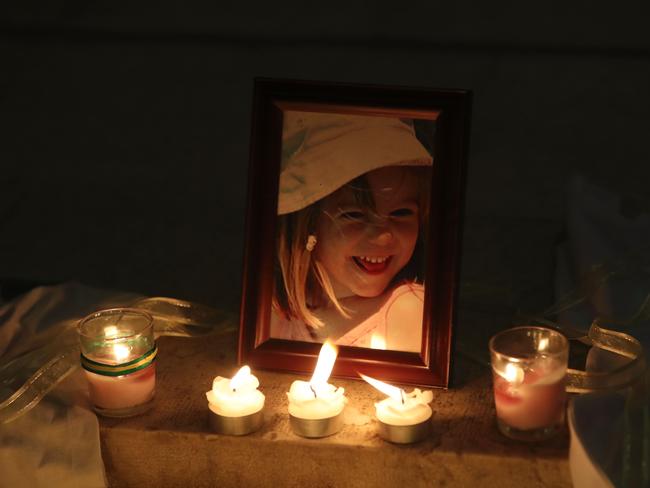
(353,197)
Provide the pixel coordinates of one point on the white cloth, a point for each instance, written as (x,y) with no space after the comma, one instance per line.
(56,443)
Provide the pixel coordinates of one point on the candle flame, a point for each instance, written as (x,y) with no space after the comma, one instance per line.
(513,373)
(325,364)
(110,331)
(121,352)
(240,377)
(543,344)
(390,390)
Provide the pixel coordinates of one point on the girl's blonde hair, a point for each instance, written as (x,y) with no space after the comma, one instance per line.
(301,282)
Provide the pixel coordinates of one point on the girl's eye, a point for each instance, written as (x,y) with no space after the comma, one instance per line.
(352,215)
(402,212)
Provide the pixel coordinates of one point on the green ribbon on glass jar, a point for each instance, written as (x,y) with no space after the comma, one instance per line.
(120,369)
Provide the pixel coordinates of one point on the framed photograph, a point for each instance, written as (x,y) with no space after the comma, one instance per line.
(353,228)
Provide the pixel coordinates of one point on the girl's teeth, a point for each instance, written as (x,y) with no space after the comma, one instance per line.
(373,260)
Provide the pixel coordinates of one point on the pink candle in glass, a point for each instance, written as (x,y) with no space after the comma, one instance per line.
(120,392)
(118,352)
(531,400)
(529,368)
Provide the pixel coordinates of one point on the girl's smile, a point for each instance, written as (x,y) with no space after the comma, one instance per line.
(364,245)
(372,265)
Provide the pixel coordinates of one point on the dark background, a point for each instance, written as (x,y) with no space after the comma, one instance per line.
(124,129)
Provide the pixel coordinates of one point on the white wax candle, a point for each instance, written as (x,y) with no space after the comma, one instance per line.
(401,408)
(236,397)
(317,399)
(414,409)
(307,401)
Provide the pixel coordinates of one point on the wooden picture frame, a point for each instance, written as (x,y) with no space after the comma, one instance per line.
(450,110)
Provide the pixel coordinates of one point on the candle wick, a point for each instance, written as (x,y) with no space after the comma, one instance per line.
(313,391)
(401,392)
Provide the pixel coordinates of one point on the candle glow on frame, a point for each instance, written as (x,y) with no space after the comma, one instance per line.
(377,341)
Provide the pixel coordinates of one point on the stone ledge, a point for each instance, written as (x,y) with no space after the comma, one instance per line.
(172,446)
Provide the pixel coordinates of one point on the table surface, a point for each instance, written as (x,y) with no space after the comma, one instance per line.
(172,444)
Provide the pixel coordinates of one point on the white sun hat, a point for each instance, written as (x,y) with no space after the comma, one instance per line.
(321,152)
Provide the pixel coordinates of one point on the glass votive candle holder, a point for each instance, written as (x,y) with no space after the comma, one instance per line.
(529,367)
(117,353)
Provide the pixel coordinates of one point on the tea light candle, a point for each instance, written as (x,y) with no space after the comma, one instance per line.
(236,404)
(529,367)
(403,417)
(315,406)
(117,353)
